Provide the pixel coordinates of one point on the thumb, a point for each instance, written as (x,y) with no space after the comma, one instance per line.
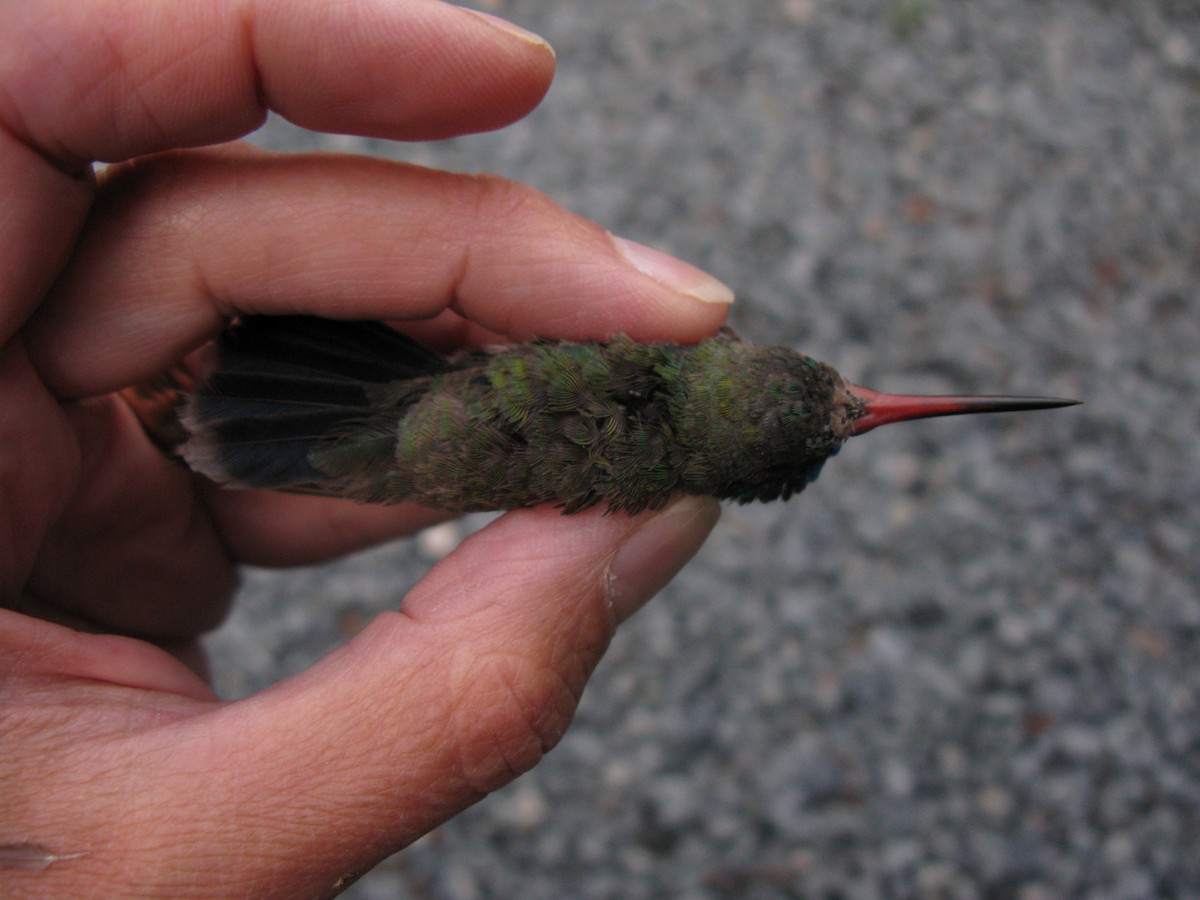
(431,708)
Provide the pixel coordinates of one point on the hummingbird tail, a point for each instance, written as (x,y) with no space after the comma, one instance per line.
(283,384)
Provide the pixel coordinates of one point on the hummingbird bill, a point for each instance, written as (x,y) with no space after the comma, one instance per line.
(361,411)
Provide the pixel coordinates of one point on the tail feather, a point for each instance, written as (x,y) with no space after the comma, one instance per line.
(283,384)
(362,351)
(246,393)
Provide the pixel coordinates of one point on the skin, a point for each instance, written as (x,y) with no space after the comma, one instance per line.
(113,561)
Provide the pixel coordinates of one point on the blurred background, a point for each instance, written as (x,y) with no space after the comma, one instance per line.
(966,662)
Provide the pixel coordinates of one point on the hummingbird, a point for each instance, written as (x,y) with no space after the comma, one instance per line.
(359,410)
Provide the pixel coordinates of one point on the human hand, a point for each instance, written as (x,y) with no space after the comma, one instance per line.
(113,560)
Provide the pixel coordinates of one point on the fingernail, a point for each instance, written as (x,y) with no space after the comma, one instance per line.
(509,28)
(672,272)
(653,554)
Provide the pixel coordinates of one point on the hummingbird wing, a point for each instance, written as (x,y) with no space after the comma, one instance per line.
(284,383)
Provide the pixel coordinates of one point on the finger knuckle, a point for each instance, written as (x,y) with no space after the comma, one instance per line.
(508,712)
(502,198)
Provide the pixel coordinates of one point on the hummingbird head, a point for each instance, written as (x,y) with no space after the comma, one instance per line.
(760,423)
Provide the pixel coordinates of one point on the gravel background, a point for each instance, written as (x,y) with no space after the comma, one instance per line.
(966,663)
